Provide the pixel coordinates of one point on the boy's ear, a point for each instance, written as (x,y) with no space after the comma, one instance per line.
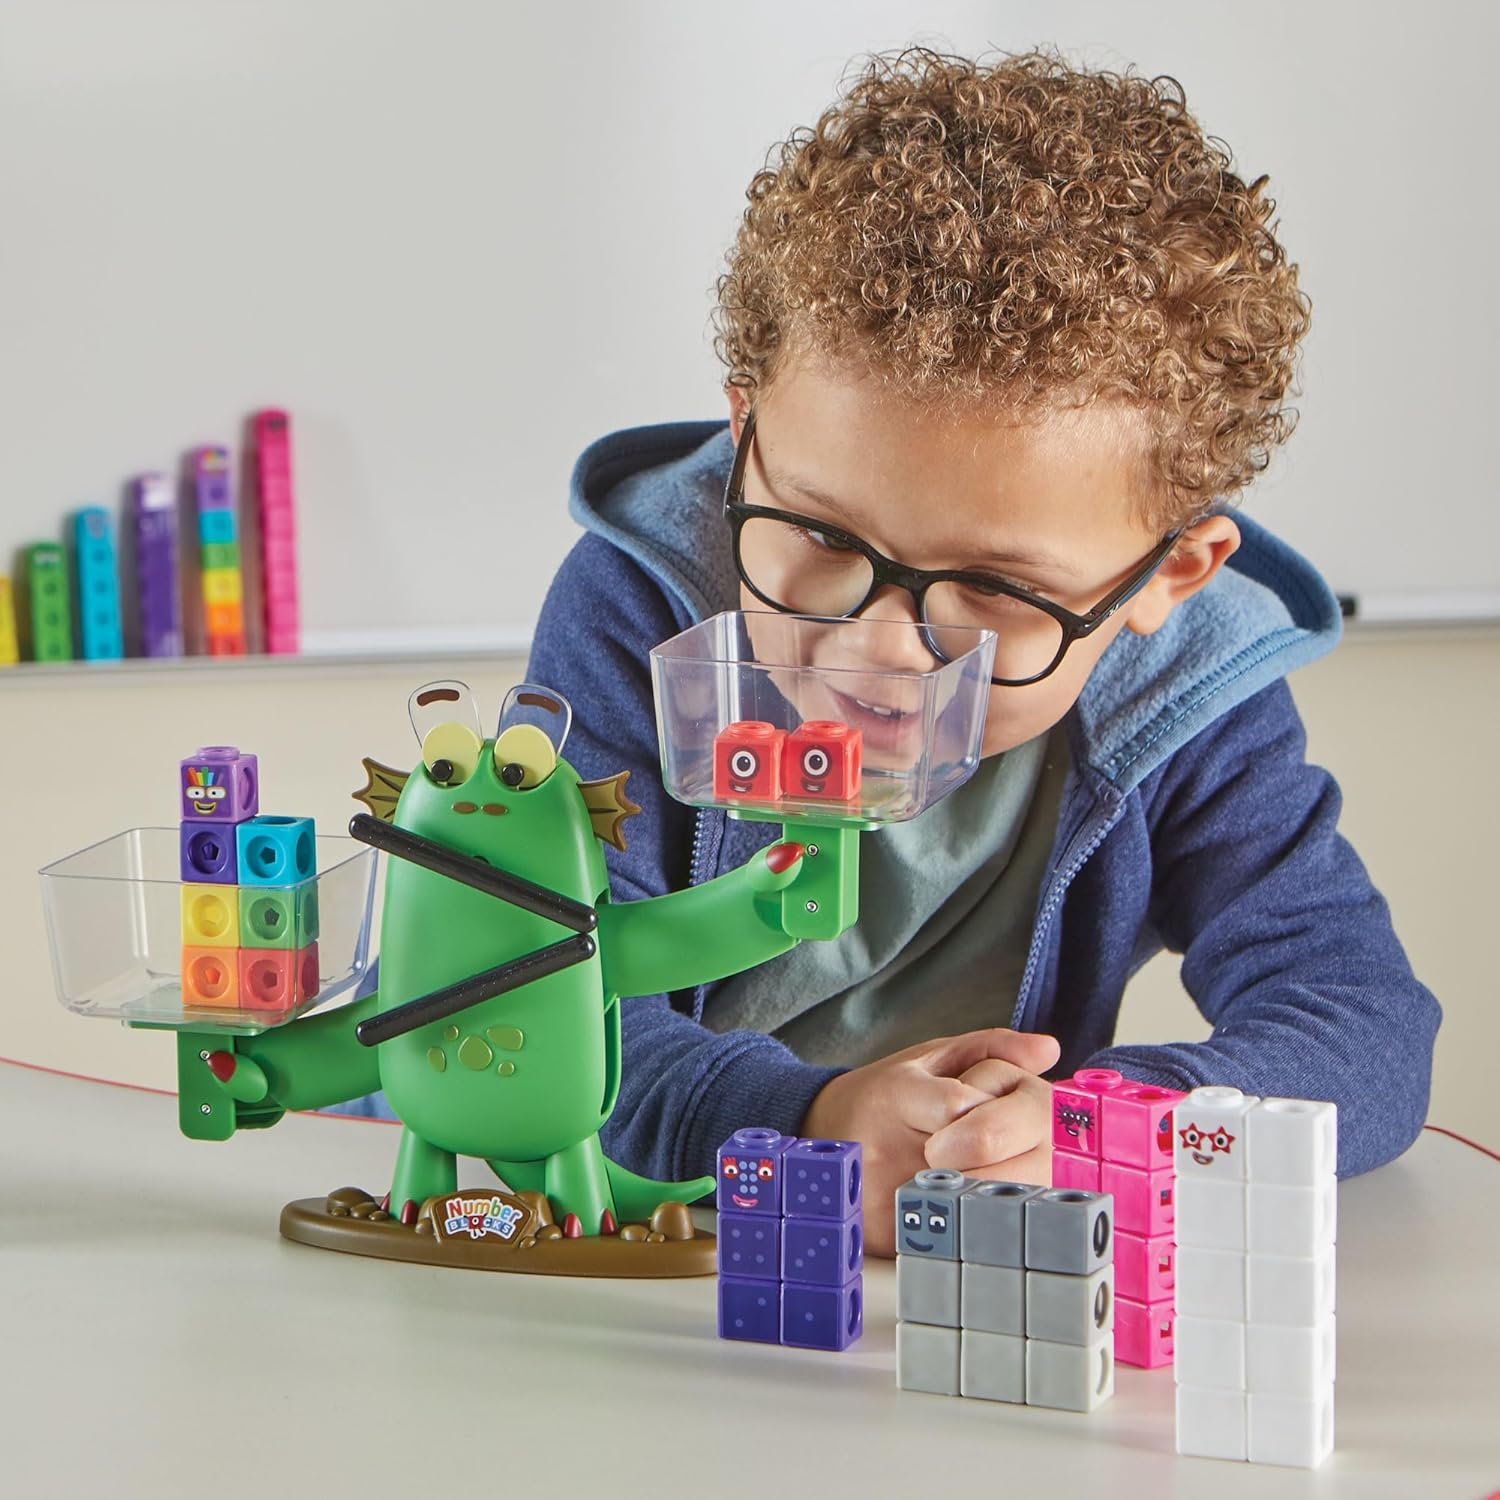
(739,409)
(1200,552)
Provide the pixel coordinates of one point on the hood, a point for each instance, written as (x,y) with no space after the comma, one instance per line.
(657,493)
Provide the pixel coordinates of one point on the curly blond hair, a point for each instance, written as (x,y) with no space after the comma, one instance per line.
(1029,234)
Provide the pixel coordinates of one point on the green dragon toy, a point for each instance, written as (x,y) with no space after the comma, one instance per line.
(495,1031)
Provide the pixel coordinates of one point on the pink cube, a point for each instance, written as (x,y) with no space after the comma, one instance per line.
(1075,1109)
(1136,1125)
(1143,1333)
(1069,1170)
(1143,1200)
(1145,1269)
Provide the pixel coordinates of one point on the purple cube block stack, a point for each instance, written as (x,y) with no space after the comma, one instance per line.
(791,1240)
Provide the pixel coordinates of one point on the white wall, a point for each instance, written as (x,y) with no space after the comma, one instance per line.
(460,239)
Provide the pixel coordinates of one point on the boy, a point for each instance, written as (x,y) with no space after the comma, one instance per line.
(1021,322)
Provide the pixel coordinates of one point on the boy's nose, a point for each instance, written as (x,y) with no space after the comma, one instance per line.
(896,650)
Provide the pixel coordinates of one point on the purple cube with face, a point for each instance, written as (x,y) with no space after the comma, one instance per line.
(220,785)
(822,1252)
(750,1171)
(749,1245)
(749,1310)
(208,853)
(822,1317)
(824,1180)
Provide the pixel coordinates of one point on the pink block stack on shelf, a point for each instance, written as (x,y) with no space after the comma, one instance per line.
(1110,1135)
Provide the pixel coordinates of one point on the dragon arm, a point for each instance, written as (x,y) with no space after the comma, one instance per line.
(690,937)
(316,1062)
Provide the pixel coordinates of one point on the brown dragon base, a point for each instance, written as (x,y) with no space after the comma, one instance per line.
(481,1229)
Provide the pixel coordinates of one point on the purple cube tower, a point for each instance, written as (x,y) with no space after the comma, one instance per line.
(791,1240)
(220,788)
(154,517)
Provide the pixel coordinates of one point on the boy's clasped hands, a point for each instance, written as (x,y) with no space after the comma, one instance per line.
(975,1103)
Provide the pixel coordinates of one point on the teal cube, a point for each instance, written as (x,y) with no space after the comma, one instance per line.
(276,850)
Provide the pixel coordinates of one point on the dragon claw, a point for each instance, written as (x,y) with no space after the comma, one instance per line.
(572,1227)
(607,1223)
(780,856)
(221,1065)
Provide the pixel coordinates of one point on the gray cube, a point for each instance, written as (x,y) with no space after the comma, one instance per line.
(992,1223)
(927,1291)
(927,1358)
(1071,1377)
(1070,1309)
(1070,1230)
(927,1214)
(992,1366)
(993,1299)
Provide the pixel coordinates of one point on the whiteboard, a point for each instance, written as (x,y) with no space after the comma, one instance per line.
(461,239)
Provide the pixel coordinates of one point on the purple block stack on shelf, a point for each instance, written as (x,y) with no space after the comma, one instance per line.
(154,518)
(791,1240)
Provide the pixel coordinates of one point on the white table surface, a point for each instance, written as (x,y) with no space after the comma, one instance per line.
(158,1338)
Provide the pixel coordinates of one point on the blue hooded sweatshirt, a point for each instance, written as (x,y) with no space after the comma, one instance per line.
(1189,819)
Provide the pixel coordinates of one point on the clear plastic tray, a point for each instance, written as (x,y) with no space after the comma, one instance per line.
(114,924)
(920,720)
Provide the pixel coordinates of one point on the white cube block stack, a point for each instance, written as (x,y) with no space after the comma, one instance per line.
(1256,1203)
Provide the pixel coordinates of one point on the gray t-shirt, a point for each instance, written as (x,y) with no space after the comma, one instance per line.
(946,903)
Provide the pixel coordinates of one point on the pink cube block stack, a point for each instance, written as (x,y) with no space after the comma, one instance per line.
(278,532)
(1110,1135)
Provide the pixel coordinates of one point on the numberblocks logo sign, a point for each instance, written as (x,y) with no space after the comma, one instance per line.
(479,1217)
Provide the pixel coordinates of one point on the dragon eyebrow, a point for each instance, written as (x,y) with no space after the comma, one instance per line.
(538,700)
(437,695)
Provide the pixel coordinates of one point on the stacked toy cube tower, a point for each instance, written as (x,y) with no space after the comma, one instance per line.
(1256,1207)
(1110,1135)
(249,891)
(219,554)
(791,1240)
(1006,1292)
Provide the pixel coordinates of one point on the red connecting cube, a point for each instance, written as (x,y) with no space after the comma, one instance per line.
(747,761)
(821,759)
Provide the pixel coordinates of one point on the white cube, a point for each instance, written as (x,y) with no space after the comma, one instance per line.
(1209,1352)
(1208,1134)
(1209,1215)
(1211,1284)
(1285,1360)
(1210,1423)
(1288,1220)
(1286,1288)
(1292,1430)
(1293,1142)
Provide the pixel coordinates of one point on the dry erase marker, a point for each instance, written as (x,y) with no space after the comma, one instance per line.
(218,554)
(278,534)
(153,511)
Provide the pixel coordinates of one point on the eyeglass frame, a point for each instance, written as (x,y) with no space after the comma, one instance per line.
(888,572)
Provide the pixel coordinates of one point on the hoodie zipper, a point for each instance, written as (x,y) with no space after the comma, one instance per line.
(1054,900)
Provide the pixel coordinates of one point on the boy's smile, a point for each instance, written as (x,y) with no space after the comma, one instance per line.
(1050,500)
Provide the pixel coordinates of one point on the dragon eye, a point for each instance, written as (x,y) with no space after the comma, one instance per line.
(450,752)
(524,757)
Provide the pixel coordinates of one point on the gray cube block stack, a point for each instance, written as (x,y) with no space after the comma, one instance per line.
(1006,1292)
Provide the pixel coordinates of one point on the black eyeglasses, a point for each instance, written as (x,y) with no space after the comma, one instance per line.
(800,565)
